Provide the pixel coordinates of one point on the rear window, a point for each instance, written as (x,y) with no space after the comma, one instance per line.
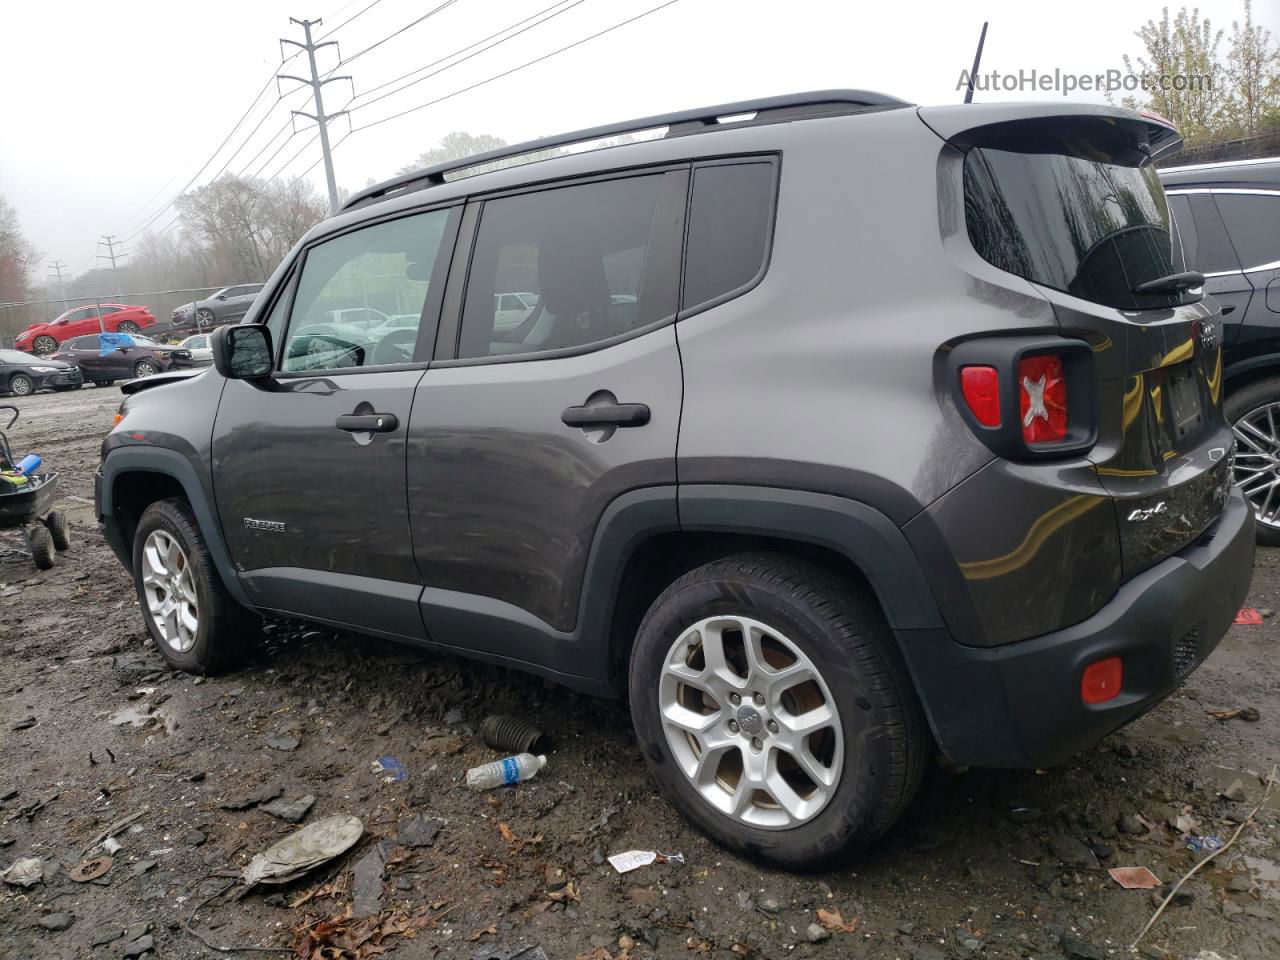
(1085,225)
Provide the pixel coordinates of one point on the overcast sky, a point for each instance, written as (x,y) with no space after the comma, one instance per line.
(110,108)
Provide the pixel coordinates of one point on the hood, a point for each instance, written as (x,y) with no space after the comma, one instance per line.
(33,330)
(160,379)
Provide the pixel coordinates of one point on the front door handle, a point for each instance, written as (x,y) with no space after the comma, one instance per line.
(1228,308)
(606,415)
(367,422)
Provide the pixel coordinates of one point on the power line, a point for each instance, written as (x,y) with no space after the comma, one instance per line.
(330,33)
(393,35)
(462,50)
(285,166)
(507,73)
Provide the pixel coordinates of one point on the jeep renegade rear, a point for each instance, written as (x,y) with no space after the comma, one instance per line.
(835,431)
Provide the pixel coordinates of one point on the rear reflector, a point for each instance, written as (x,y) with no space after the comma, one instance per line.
(1102,680)
(1042,399)
(981,389)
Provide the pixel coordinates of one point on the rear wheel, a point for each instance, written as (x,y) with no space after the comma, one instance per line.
(145,368)
(1254,414)
(128,326)
(204,318)
(43,346)
(41,544)
(774,710)
(20,385)
(195,623)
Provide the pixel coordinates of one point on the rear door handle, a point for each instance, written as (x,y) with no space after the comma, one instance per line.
(367,422)
(606,415)
(1228,308)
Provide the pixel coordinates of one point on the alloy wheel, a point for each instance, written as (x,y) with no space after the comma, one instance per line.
(145,368)
(204,317)
(20,385)
(1256,470)
(170,590)
(751,722)
(129,327)
(43,346)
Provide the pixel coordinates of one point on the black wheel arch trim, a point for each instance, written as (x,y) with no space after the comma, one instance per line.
(1268,363)
(170,463)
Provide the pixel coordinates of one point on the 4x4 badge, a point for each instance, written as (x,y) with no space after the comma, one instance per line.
(1146,513)
(275,526)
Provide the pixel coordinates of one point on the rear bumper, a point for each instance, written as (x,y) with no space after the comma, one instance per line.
(1019,705)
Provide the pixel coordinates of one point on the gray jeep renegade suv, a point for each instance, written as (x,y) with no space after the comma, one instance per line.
(828,429)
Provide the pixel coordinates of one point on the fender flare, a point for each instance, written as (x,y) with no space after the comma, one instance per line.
(1251,365)
(862,534)
(170,463)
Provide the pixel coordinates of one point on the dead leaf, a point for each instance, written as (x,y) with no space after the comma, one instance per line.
(566,893)
(832,920)
(508,834)
(491,930)
(1225,714)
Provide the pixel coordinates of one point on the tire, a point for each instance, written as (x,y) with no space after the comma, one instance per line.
(103,383)
(41,544)
(20,385)
(66,389)
(1242,405)
(839,634)
(145,368)
(43,346)
(204,318)
(129,327)
(220,639)
(59,530)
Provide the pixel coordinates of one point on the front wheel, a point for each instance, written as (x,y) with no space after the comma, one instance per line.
(1254,415)
(145,368)
(195,623)
(43,346)
(775,711)
(20,385)
(128,326)
(204,318)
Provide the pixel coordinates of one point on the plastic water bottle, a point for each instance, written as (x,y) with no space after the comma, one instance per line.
(28,464)
(506,772)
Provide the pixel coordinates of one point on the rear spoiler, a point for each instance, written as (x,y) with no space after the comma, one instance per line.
(966,125)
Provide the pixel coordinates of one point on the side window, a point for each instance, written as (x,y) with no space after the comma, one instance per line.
(1253,221)
(592,261)
(386,267)
(1214,253)
(1182,233)
(730,222)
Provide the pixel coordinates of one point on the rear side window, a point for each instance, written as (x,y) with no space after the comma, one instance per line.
(1203,239)
(1082,225)
(572,266)
(1253,220)
(730,222)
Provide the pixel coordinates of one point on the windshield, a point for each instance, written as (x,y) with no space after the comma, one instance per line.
(1084,225)
(17,356)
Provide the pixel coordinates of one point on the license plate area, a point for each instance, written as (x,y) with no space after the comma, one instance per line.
(1185,412)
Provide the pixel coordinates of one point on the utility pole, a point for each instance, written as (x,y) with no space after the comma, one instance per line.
(316,84)
(110,242)
(57,267)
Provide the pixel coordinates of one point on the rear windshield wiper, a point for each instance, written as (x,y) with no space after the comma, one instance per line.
(1173,283)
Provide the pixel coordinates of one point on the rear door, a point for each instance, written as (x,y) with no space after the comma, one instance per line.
(522,441)
(1201,238)
(309,466)
(86,353)
(1252,219)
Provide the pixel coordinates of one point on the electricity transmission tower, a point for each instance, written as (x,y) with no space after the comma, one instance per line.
(320,117)
(57,266)
(110,242)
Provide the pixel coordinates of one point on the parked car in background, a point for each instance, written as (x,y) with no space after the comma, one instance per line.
(201,354)
(1227,220)
(44,338)
(226,306)
(139,357)
(821,500)
(22,374)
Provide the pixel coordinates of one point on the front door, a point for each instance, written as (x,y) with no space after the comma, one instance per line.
(309,465)
(522,441)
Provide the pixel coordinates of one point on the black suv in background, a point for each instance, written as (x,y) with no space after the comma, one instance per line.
(1227,217)
(227,305)
(837,430)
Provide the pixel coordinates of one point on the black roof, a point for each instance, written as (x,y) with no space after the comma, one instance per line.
(796,106)
(1260,173)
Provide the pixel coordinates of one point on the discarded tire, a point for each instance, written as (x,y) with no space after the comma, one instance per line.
(512,734)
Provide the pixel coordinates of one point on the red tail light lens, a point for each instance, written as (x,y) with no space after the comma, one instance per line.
(1042,399)
(1102,680)
(981,389)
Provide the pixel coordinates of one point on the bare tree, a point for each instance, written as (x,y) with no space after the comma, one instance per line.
(455,146)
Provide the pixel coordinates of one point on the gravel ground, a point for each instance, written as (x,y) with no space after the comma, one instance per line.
(990,864)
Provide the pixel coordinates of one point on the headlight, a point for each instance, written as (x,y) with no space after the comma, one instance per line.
(44,369)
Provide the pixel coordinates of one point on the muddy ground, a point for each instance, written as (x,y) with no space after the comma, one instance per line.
(95,730)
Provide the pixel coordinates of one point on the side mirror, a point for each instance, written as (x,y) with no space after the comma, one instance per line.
(242,351)
(221,296)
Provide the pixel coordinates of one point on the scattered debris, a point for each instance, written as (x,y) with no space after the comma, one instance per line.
(112,845)
(26,723)
(1248,617)
(137,948)
(833,921)
(314,844)
(504,732)
(394,770)
(26,872)
(283,742)
(291,811)
(368,876)
(111,830)
(817,933)
(90,869)
(1134,878)
(254,799)
(505,772)
(1248,714)
(1198,844)
(57,922)
(419,831)
(561,887)
(635,859)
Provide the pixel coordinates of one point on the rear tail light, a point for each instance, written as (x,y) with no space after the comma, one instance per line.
(1042,399)
(980,387)
(1102,680)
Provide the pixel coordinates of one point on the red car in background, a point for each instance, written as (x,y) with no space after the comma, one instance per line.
(44,338)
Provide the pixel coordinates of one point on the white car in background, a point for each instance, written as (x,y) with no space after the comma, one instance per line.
(201,351)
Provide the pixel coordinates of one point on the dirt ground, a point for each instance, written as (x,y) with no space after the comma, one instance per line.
(98,734)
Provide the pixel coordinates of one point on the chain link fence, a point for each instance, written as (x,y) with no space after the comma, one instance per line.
(92,314)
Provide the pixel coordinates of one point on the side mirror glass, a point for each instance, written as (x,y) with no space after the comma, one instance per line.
(242,352)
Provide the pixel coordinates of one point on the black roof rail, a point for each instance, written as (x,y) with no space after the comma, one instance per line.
(794,106)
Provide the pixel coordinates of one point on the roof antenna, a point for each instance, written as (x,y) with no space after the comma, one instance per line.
(977,59)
